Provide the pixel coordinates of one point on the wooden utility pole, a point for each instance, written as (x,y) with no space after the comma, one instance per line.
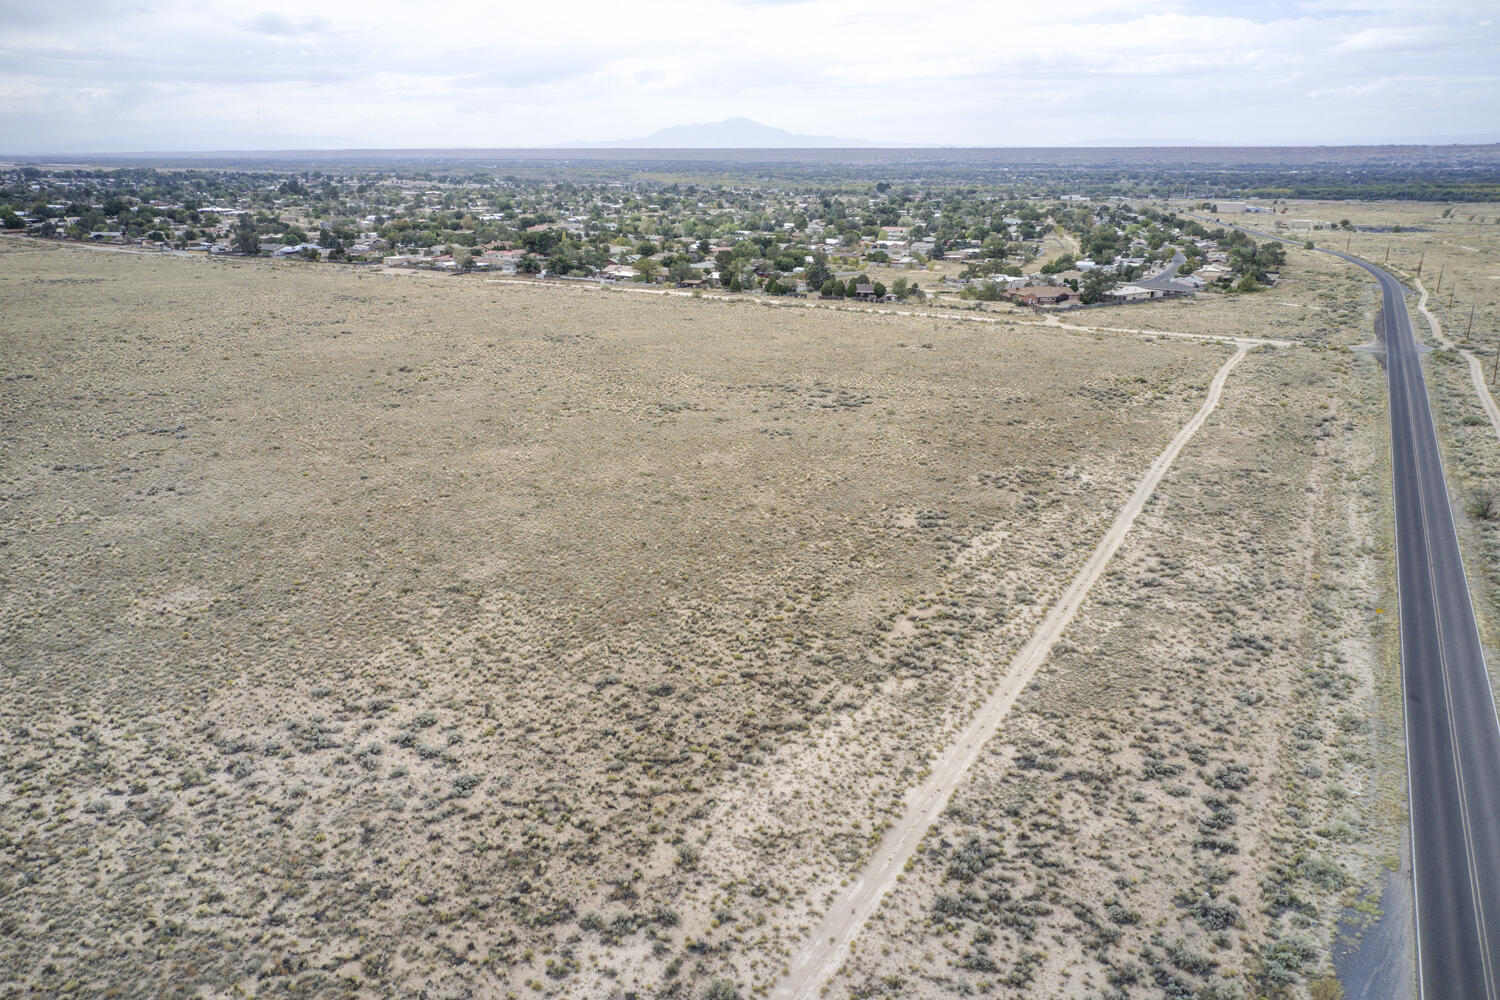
(1419,263)
(1439,286)
(1346,244)
(1387,251)
(1471,323)
(1451,290)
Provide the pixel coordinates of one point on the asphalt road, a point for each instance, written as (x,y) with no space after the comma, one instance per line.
(1452,734)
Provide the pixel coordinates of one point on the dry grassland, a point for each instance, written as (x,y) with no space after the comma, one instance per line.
(373,636)
(1192,791)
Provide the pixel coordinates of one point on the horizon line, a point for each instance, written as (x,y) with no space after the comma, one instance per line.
(867,148)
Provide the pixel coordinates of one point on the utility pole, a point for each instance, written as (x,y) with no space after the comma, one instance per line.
(1388,251)
(1346,243)
(1439,286)
(1419,263)
(1471,323)
(1450,296)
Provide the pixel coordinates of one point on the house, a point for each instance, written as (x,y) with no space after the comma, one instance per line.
(864,292)
(1041,295)
(298,248)
(1129,293)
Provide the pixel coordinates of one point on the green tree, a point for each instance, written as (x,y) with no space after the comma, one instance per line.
(829,289)
(879,290)
(817,272)
(1095,285)
(900,288)
(246,237)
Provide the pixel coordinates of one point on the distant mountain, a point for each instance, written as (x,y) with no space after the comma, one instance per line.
(731,133)
(1133,142)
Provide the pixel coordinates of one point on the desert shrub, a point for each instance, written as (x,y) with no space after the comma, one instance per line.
(1222,989)
(1282,959)
(1215,914)
(1326,988)
(721,989)
(972,859)
(1484,505)
(1230,777)
(1323,873)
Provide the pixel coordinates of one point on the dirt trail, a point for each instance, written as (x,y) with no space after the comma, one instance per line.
(1476,367)
(811,967)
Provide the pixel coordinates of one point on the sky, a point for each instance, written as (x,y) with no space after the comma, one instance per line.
(99,76)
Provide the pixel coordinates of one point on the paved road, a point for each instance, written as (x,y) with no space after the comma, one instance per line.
(1166,279)
(1452,735)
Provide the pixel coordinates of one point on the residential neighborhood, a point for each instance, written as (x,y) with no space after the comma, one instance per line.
(878,242)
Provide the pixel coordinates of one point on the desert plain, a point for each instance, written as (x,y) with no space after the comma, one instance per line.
(369,634)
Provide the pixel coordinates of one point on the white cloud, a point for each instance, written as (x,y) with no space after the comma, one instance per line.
(385,73)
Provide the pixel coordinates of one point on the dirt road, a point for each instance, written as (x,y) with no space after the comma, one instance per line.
(821,955)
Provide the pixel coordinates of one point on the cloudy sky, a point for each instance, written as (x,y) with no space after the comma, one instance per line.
(94,75)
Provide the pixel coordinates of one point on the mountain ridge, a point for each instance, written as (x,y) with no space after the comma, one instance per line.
(731,133)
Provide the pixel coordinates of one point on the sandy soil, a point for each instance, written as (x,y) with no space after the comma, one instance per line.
(1184,798)
(825,949)
(378,638)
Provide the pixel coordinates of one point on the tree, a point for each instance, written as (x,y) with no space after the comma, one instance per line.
(1095,285)
(246,238)
(646,270)
(9,219)
(817,272)
(900,289)
(529,264)
(829,289)
(879,290)
(682,271)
